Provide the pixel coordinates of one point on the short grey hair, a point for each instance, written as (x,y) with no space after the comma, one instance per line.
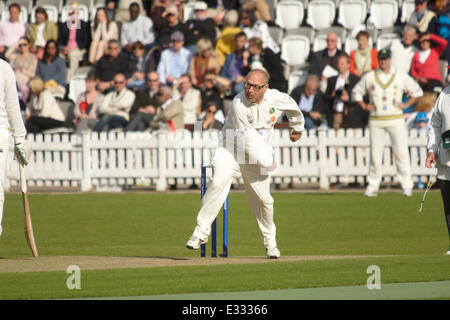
(409,28)
(165,90)
(264,73)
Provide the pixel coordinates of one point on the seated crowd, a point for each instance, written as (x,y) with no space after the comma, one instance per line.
(149,70)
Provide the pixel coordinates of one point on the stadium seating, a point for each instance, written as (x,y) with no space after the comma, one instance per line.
(383,13)
(290,14)
(321,13)
(385,39)
(276,34)
(295,49)
(57,3)
(296,78)
(408,6)
(306,31)
(352,13)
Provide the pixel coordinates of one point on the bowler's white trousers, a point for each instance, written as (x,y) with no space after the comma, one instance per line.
(399,141)
(4,148)
(257,187)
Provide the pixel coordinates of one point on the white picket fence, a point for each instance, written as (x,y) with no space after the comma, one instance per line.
(112,161)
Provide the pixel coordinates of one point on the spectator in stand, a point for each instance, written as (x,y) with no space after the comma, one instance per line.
(213,90)
(200,27)
(190,98)
(266,59)
(122,12)
(444,28)
(170,115)
(41,31)
(403,50)
(260,8)
(11,30)
(208,117)
(424,105)
(218,9)
(138,28)
(168,23)
(174,61)
(87,106)
(235,64)
(328,56)
(138,60)
(203,61)
(341,111)
(310,101)
(74,39)
(24,64)
(44,111)
(52,70)
(425,63)
(226,41)
(116,106)
(102,31)
(111,64)
(111,6)
(364,58)
(257,28)
(421,18)
(144,107)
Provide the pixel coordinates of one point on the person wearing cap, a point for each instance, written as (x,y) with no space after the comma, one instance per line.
(385,88)
(138,28)
(439,149)
(200,27)
(168,23)
(421,18)
(174,60)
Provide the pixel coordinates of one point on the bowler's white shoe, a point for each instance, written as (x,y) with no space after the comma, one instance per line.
(194,243)
(447,253)
(273,253)
(407,192)
(370,192)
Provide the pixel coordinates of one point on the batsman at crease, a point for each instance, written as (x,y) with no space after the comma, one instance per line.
(10,116)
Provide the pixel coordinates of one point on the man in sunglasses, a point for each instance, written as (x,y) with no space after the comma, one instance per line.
(247,149)
(116,106)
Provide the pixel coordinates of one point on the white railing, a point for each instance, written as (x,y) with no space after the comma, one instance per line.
(116,160)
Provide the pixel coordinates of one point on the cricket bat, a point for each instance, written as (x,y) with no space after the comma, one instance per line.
(29,235)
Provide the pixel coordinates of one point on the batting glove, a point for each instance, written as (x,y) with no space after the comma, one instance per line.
(23,151)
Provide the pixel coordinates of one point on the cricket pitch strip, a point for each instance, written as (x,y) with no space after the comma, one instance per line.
(60,263)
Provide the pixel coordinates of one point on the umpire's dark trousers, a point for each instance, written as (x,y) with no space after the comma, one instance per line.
(445,191)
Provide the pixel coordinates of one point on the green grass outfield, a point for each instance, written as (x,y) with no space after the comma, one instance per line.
(158,225)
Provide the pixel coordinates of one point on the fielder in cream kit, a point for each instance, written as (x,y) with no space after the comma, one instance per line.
(10,116)
(385,87)
(248,132)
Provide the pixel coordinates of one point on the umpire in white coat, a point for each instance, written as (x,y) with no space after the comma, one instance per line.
(439,149)
(247,149)
(10,116)
(385,87)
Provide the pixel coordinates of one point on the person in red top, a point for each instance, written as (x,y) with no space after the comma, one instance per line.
(425,63)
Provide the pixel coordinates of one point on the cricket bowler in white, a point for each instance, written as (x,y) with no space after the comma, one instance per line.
(251,118)
(10,116)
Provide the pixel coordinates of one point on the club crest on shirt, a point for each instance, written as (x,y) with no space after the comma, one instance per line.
(250,117)
(273,118)
(272,110)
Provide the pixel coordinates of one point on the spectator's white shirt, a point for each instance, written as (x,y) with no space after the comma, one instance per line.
(46,106)
(9,103)
(118,103)
(10,32)
(261,30)
(191,101)
(401,56)
(140,29)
